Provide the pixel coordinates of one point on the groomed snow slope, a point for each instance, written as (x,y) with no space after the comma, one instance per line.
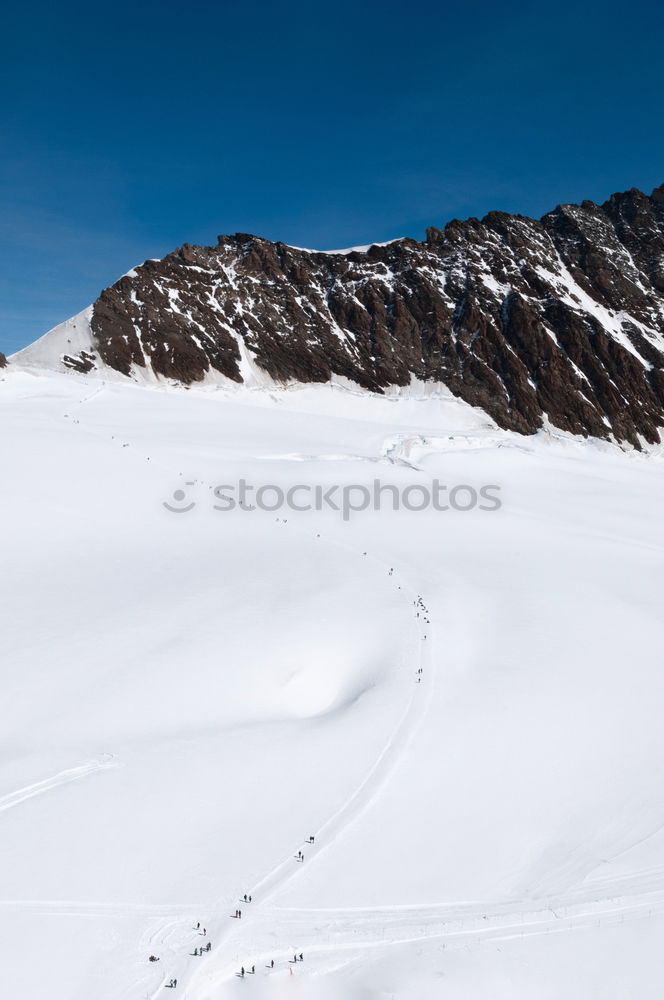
(187,697)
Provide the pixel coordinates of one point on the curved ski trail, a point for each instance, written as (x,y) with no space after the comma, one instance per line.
(220,966)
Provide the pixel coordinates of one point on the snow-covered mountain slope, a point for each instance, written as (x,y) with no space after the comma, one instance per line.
(189,695)
(559,320)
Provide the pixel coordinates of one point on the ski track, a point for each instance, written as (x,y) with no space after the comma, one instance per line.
(14,799)
(582,906)
(173,938)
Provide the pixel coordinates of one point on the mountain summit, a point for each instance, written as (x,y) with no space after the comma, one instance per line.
(559,319)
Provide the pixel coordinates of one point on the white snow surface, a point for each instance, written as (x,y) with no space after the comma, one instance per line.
(187,697)
(346,250)
(70,337)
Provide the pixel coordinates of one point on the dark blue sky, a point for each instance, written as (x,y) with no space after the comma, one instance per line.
(128,129)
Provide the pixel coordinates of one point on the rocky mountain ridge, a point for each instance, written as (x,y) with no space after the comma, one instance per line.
(561,318)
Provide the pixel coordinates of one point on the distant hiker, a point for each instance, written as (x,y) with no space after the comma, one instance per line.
(250,899)
(239,913)
(204,932)
(253,970)
(209,946)
(245,897)
(301,957)
(311,840)
(175,982)
(198,925)
(242,971)
(295,958)
(272,964)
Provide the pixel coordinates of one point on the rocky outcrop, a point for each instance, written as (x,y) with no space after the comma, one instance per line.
(3,360)
(560,318)
(83,362)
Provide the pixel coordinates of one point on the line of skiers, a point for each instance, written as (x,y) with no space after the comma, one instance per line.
(252,971)
(238,913)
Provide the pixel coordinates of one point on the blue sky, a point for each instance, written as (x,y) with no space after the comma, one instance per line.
(128,129)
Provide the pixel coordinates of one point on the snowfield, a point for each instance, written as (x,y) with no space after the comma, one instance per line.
(463,708)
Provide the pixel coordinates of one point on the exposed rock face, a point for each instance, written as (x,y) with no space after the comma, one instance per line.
(83,362)
(3,360)
(562,317)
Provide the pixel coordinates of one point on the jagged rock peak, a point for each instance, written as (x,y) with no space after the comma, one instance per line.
(559,318)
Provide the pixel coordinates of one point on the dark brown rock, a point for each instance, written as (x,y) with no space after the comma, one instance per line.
(561,317)
(81,363)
